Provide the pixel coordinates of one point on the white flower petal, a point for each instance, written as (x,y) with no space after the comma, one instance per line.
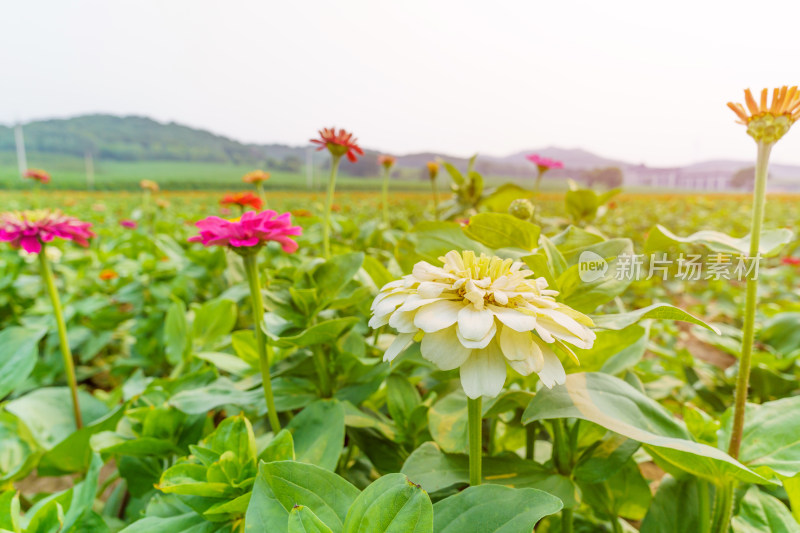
(484,373)
(400,343)
(438,315)
(379,320)
(552,372)
(443,349)
(474,324)
(432,289)
(516,346)
(403,321)
(516,320)
(477,345)
(390,303)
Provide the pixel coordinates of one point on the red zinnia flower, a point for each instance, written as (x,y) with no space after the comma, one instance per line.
(242,199)
(794,261)
(386,161)
(37,174)
(339,144)
(29,229)
(544,163)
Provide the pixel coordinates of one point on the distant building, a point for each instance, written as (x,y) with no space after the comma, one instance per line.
(677,178)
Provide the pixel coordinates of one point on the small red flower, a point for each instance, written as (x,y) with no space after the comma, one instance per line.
(386,161)
(242,199)
(794,261)
(544,163)
(339,144)
(256,176)
(37,174)
(108,274)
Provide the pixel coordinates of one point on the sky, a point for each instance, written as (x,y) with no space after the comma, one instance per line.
(639,81)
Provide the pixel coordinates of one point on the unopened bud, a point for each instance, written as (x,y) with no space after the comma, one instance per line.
(521,208)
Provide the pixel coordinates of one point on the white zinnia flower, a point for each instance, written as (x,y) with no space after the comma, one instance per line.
(476,313)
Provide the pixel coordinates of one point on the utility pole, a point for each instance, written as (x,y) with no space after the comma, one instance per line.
(22,159)
(89,170)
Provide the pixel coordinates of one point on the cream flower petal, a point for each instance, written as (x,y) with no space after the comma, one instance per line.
(516,346)
(443,349)
(484,373)
(474,324)
(552,373)
(390,304)
(477,345)
(403,321)
(432,289)
(400,343)
(379,320)
(437,315)
(514,319)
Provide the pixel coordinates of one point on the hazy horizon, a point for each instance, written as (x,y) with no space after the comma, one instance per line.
(451,77)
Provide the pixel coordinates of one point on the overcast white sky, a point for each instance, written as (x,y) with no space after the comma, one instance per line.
(635,80)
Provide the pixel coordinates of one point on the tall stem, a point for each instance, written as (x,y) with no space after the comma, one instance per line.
(385,194)
(562,463)
(723,508)
(326,228)
(475,440)
(538,182)
(530,440)
(260,190)
(66,353)
(435,200)
(321,365)
(251,267)
(751,299)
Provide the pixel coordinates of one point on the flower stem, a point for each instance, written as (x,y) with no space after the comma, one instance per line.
(321,364)
(530,440)
(260,190)
(751,299)
(385,194)
(69,365)
(704,507)
(566,520)
(538,182)
(326,227)
(251,267)
(723,508)
(475,440)
(560,452)
(435,200)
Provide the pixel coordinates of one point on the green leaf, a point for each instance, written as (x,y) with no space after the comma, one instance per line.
(656,311)
(212,321)
(401,399)
(325,332)
(177,341)
(540,265)
(392,504)
(770,244)
(82,497)
(582,204)
(332,275)
(226,362)
(455,174)
(303,520)
(9,511)
(615,405)
(318,433)
(280,448)
(761,513)
(602,461)
(501,230)
(614,351)
(675,507)
(624,494)
(434,239)
(436,471)
(19,451)
(244,344)
(326,494)
(586,296)
(771,437)
(447,422)
(492,508)
(500,199)
(18,354)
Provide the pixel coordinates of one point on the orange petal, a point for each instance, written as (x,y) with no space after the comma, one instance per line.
(763,107)
(739,110)
(775,100)
(750,101)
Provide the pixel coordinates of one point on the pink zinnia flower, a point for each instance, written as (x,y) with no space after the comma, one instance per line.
(794,261)
(251,230)
(544,163)
(29,229)
(37,174)
(130,224)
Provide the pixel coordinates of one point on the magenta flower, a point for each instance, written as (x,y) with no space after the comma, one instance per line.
(544,163)
(29,229)
(130,224)
(250,230)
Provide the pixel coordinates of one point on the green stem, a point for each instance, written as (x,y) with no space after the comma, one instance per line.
(475,440)
(69,365)
(751,299)
(560,451)
(566,520)
(251,267)
(530,440)
(616,526)
(723,508)
(435,200)
(385,195)
(321,364)
(326,227)
(704,505)
(260,190)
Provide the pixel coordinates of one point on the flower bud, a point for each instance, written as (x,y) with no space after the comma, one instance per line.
(521,208)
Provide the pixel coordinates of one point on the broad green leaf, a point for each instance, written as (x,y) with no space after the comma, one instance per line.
(675,508)
(221,392)
(326,494)
(434,471)
(771,437)
(792,487)
(447,422)
(614,351)
(434,239)
(212,321)
(325,332)
(280,448)
(83,495)
(770,244)
(615,405)
(540,265)
(582,204)
(9,511)
(600,462)
(500,199)
(761,513)
(657,311)
(573,240)
(586,296)
(265,514)
(18,354)
(229,509)
(177,341)
(226,362)
(455,174)
(318,433)
(244,344)
(19,451)
(492,508)
(501,230)
(378,273)
(392,504)
(624,494)
(303,520)
(332,275)
(401,398)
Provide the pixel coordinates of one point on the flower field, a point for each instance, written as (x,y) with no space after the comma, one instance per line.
(491,360)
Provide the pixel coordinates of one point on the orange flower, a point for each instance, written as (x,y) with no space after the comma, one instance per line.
(108,274)
(386,161)
(302,213)
(339,144)
(256,176)
(149,185)
(242,199)
(433,169)
(768,123)
(37,174)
